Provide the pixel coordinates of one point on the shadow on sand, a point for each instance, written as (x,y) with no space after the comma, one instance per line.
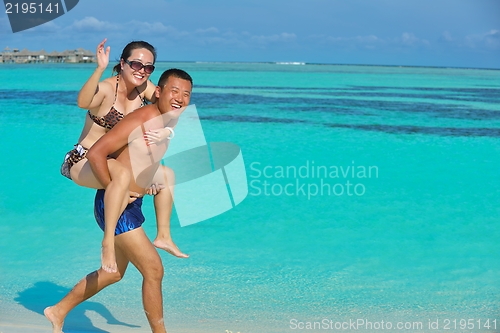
(44,293)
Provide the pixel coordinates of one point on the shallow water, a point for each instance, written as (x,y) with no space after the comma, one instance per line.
(415,240)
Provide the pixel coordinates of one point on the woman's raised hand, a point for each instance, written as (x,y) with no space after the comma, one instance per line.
(102,55)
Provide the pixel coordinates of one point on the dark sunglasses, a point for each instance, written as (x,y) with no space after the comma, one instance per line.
(137,66)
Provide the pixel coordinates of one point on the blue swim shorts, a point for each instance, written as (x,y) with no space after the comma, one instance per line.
(131,218)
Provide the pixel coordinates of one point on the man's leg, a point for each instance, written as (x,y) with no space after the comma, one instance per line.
(163,202)
(138,249)
(86,288)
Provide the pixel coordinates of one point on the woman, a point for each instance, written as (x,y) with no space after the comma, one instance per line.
(108,102)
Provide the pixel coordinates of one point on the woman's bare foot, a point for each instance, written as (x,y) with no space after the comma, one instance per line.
(170,247)
(57,323)
(108,259)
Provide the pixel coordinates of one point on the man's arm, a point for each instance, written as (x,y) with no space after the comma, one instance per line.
(114,140)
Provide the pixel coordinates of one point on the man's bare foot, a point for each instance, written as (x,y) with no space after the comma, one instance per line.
(170,247)
(57,324)
(108,260)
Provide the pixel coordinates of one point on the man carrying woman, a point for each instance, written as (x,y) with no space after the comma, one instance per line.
(108,101)
(126,144)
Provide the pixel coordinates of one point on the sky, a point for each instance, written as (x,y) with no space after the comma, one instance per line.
(449,33)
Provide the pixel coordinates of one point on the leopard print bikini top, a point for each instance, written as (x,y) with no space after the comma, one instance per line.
(113,116)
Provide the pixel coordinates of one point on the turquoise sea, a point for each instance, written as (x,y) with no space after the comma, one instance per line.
(373,199)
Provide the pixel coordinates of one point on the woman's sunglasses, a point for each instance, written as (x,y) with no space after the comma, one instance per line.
(137,66)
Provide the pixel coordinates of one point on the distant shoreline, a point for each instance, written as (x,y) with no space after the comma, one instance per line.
(323,64)
(280,63)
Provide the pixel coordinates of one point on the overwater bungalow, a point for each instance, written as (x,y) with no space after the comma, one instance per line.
(14,56)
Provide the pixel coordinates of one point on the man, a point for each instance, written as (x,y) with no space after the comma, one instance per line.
(126,143)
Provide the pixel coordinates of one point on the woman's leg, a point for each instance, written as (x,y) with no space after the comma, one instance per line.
(86,288)
(163,202)
(116,199)
(138,249)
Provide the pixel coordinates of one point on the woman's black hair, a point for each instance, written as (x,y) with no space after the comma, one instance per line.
(127,51)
